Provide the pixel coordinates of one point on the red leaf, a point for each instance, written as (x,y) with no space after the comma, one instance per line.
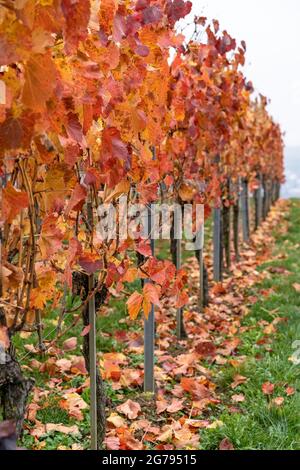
(74,128)
(268,388)
(206,348)
(85,330)
(90,263)
(177,9)
(77,15)
(144,248)
(77,199)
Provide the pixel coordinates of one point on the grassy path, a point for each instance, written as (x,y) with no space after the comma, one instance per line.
(266,421)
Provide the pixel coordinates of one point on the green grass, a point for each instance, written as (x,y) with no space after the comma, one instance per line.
(260,425)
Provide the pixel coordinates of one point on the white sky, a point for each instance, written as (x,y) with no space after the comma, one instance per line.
(271,29)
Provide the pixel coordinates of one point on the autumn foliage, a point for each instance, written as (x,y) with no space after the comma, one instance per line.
(92,90)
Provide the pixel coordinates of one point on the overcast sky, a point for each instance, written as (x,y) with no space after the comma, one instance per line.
(271,29)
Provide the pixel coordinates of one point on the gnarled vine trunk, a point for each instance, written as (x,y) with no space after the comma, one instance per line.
(14,391)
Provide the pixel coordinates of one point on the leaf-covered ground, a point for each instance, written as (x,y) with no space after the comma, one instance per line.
(233,384)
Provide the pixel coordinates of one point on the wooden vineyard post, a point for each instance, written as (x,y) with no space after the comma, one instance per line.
(201,269)
(149,331)
(179,314)
(176,253)
(92,352)
(258,203)
(2,315)
(149,323)
(264,185)
(217,245)
(245,210)
(236,222)
(226,224)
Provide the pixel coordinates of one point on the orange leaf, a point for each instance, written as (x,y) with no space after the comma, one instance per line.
(134,304)
(40,81)
(150,296)
(13,201)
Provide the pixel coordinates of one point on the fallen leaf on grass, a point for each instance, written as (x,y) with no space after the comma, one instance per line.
(161,406)
(206,349)
(238,380)
(32,410)
(128,441)
(279,401)
(270,329)
(238,398)
(268,388)
(218,289)
(61,428)
(64,365)
(197,423)
(78,366)
(130,408)
(175,406)
(226,444)
(73,404)
(166,435)
(290,391)
(116,420)
(296,287)
(196,389)
(70,344)
(112,443)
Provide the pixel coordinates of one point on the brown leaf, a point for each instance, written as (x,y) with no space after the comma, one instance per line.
(61,428)
(175,406)
(238,380)
(226,444)
(206,349)
(130,408)
(161,406)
